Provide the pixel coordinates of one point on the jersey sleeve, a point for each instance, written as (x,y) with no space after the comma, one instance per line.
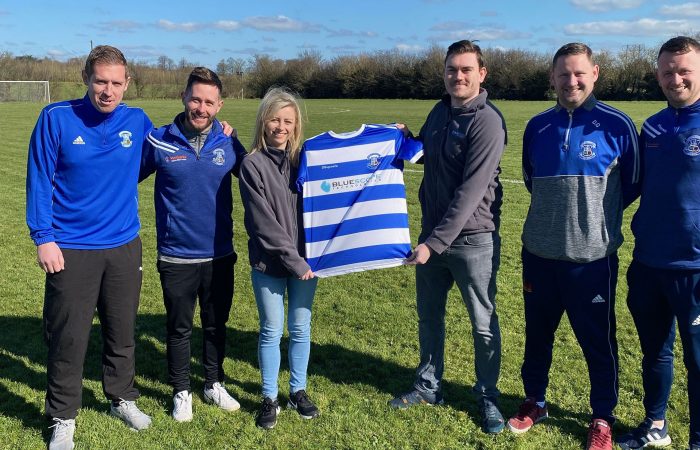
(148,159)
(41,165)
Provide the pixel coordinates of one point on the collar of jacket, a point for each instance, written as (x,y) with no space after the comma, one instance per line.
(695,107)
(277,156)
(588,104)
(472,105)
(174,130)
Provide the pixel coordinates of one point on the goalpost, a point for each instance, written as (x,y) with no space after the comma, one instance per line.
(25,91)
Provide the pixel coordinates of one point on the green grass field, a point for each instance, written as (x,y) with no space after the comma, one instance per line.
(364,337)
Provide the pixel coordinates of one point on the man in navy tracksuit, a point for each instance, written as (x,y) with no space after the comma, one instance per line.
(193,160)
(664,277)
(82,213)
(580,159)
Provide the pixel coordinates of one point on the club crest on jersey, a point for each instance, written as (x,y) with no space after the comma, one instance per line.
(218,158)
(587,150)
(126,138)
(373,160)
(692,145)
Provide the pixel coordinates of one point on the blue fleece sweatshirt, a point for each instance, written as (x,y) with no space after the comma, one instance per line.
(82,173)
(666,226)
(192,193)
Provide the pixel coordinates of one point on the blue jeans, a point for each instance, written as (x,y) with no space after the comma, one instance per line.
(472,263)
(269,295)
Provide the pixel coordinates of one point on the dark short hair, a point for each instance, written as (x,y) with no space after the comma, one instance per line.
(105,54)
(465,46)
(573,48)
(203,75)
(679,44)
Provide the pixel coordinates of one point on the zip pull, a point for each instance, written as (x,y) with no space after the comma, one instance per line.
(568,131)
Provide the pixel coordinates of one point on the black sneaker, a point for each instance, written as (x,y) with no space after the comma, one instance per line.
(645,435)
(303,404)
(267,417)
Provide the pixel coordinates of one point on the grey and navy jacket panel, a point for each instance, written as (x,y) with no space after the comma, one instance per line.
(460,193)
(582,169)
(192,194)
(273,213)
(82,173)
(666,225)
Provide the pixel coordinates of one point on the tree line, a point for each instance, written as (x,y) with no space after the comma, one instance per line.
(512,75)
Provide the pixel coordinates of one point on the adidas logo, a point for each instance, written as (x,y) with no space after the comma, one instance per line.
(78,141)
(696,321)
(599,299)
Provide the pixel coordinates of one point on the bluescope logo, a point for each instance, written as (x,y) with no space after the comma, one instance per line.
(587,150)
(373,160)
(126,138)
(692,145)
(349,184)
(218,158)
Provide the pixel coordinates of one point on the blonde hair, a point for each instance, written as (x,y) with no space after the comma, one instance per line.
(275,99)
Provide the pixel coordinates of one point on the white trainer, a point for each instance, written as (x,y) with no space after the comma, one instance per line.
(218,396)
(182,406)
(62,437)
(131,415)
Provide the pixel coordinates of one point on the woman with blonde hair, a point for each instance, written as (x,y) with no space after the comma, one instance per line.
(273,220)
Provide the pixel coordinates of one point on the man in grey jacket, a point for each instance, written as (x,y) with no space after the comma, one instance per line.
(463,140)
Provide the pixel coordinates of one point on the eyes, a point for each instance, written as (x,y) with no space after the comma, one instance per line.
(453,70)
(198,101)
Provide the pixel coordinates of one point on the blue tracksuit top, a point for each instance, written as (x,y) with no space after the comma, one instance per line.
(666,226)
(192,193)
(82,173)
(581,168)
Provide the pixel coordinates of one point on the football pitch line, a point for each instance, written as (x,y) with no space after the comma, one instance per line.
(504,180)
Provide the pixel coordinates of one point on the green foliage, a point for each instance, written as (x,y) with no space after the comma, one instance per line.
(364,337)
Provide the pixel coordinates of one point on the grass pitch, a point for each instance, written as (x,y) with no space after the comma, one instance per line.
(364,335)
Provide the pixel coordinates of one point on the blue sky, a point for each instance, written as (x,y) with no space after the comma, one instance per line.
(206,32)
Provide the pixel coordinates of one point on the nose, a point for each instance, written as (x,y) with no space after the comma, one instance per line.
(108,89)
(677,79)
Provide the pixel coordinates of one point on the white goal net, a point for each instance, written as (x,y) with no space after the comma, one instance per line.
(25,91)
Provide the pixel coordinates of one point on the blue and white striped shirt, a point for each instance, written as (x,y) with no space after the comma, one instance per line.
(355,215)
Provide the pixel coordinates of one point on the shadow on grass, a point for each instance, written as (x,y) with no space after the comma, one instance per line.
(339,365)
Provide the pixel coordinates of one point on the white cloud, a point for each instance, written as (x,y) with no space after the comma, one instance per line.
(641,27)
(53,53)
(227,25)
(605,5)
(410,48)
(278,23)
(482,34)
(691,9)
(351,33)
(119,25)
(184,26)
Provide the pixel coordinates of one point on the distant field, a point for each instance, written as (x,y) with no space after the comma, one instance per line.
(364,337)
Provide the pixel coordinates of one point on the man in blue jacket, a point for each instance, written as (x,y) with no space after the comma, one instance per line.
(82,213)
(664,276)
(193,160)
(580,165)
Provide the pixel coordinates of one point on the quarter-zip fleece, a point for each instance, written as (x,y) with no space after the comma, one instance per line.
(273,213)
(192,193)
(460,193)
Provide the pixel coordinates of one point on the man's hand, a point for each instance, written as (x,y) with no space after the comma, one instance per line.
(50,258)
(404,129)
(228,129)
(420,255)
(307,276)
